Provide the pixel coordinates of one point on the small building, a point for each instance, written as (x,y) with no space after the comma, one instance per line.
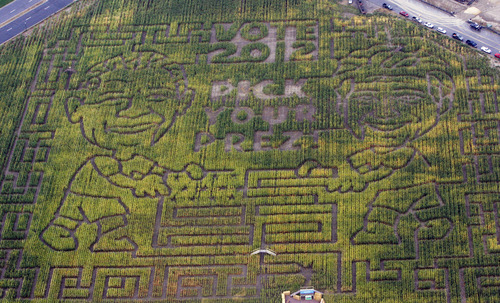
(307,294)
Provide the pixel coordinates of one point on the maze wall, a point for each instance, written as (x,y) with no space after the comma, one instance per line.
(150,161)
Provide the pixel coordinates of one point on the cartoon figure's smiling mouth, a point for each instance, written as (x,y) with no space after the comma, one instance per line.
(130,128)
(387,124)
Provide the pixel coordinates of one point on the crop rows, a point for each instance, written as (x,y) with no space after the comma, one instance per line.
(145,156)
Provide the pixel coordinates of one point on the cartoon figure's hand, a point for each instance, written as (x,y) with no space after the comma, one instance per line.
(352,182)
(369,166)
(138,165)
(365,161)
(378,174)
(151,185)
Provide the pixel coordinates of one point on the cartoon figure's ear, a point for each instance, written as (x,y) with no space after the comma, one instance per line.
(340,94)
(344,92)
(441,89)
(71,106)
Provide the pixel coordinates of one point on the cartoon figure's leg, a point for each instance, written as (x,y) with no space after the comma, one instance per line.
(112,235)
(379,227)
(381,223)
(109,214)
(60,233)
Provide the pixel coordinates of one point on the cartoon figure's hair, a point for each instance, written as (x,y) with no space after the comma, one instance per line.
(134,61)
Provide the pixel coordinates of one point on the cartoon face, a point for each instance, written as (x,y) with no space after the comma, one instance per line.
(127,105)
(392,110)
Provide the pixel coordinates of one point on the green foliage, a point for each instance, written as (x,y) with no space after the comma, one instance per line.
(363,151)
(254,31)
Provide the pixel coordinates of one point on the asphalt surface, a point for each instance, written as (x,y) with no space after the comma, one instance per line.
(16,7)
(441,19)
(29,19)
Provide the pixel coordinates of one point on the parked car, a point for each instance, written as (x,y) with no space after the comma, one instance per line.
(403,13)
(415,18)
(429,25)
(457,36)
(497,55)
(485,49)
(476,26)
(441,30)
(471,43)
(388,6)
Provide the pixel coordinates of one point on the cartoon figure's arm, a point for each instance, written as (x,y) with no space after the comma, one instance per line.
(141,175)
(380,162)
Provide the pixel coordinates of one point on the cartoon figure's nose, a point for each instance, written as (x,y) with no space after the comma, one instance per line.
(135,108)
(385,108)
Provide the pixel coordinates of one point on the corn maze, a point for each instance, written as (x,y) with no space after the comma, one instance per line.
(149,147)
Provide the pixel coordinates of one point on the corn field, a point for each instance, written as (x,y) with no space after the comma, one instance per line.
(149,147)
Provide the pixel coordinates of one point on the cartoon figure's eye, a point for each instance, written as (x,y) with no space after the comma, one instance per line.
(157,97)
(409,100)
(160,94)
(110,101)
(93,83)
(364,101)
(115,85)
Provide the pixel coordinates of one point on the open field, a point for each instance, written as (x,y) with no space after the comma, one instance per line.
(145,155)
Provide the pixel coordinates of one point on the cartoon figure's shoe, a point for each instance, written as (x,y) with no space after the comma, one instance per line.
(376,233)
(59,238)
(114,241)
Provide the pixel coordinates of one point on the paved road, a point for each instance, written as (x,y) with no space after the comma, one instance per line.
(14,8)
(29,19)
(449,23)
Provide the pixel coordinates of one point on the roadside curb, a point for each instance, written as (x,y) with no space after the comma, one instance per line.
(54,13)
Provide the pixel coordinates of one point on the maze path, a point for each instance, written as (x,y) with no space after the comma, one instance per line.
(282,209)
